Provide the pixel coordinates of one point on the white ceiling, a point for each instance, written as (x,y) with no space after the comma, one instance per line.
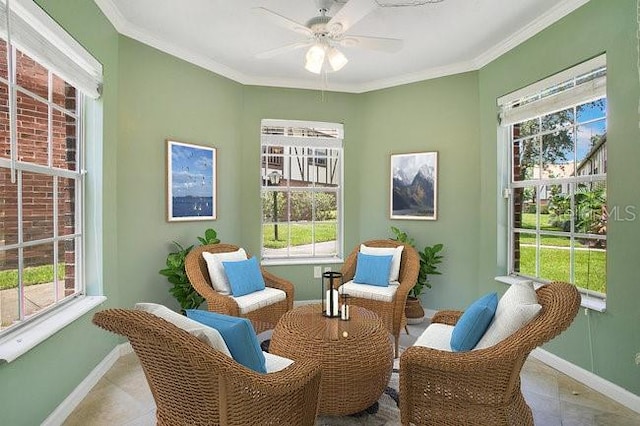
(439,39)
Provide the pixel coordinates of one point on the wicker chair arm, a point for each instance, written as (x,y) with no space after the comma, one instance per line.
(280,283)
(294,378)
(348,269)
(253,398)
(480,372)
(223,304)
(447,317)
(409,270)
(201,284)
(464,362)
(215,301)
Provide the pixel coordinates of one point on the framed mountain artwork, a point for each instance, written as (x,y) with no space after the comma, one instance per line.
(191,182)
(414,186)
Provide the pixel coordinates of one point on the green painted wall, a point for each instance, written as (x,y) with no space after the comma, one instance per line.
(163,97)
(435,115)
(599,26)
(37,382)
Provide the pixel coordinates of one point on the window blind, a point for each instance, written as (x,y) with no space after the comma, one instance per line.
(35,33)
(583,83)
(307,134)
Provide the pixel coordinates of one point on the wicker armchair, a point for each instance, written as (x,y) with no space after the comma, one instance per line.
(480,386)
(264,318)
(194,384)
(392,313)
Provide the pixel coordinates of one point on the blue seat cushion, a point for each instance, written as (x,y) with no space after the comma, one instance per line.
(244,276)
(238,334)
(473,323)
(372,270)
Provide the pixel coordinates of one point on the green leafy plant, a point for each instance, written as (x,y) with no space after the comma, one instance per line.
(430,258)
(402,236)
(175,272)
(429,261)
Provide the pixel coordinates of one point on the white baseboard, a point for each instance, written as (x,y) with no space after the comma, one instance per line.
(60,414)
(297,303)
(603,386)
(429,313)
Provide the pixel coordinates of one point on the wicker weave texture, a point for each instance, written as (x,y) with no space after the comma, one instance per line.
(392,313)
(482,386)
(356,355)
(193,384)
(263,318)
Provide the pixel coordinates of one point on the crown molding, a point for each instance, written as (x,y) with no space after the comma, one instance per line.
(316,84)
(415,77)
(552,16)
(124,27)
(366,87)
(113,14)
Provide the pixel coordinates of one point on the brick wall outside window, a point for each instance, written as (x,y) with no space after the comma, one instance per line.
(33,147)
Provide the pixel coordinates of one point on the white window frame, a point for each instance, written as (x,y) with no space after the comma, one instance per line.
(538,102)
(35,33)
(315,144)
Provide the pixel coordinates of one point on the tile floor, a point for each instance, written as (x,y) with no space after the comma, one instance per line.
(123,398)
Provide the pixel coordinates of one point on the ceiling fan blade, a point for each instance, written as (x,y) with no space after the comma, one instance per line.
(284,22)
(283,49)
(351,12)
(390,45)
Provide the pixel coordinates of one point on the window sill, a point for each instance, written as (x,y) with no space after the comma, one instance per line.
(304,261)
(32,334)
(588,301)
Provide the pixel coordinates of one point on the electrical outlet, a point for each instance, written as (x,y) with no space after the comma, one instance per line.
(638,358)
(317,272)
(327,268)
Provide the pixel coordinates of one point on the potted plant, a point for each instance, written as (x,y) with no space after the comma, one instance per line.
(430,258)
(175,272)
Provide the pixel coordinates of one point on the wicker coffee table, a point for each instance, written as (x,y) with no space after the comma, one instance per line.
(356,355)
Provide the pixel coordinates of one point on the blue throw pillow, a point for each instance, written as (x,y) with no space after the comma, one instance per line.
(244,276)
(238,334)
(373,270)
(473,323)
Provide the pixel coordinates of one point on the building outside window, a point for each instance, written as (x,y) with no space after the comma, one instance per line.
(42,97)
(301,191)
(557,189)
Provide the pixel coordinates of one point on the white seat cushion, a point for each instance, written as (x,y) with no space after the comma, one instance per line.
(436,336)
(258,299)
(276,363)
(516,307)
(366,291)
(205,334)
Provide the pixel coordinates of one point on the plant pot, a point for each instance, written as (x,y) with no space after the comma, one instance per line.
(413,310)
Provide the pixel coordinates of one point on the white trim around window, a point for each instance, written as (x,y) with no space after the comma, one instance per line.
(301,188)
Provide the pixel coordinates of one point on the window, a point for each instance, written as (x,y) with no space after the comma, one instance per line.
(42,98)
(558,178)
(301,191)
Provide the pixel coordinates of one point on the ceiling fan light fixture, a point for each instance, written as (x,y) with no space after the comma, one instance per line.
(314,59)
(337,60)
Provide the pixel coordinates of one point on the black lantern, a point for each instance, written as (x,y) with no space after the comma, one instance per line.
(330,297)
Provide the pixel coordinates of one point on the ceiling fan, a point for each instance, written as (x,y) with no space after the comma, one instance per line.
(324,34)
